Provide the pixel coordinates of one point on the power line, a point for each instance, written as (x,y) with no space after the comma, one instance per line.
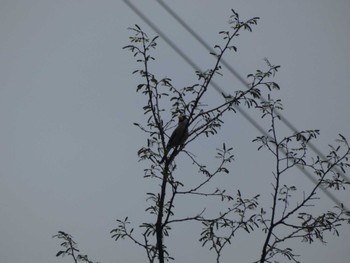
(203,42)
(232,71)
(238,76)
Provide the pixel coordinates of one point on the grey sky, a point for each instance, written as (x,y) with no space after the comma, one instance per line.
(67,103)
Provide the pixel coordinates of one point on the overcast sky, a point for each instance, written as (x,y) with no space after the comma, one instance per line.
(67,103)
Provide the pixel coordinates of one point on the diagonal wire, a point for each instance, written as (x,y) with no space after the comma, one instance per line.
(201,40)
(238,76)
(192,64)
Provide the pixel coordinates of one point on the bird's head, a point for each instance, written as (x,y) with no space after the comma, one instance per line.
(182,117)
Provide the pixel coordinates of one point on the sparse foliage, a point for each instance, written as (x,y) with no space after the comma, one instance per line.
(289,207)
(295,217)
(70,248)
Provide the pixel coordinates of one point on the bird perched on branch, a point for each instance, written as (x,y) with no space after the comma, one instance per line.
(179,135)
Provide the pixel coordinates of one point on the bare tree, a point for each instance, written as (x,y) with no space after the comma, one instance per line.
(241,213)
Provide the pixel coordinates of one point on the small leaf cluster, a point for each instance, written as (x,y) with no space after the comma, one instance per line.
(70,248)
(218,232)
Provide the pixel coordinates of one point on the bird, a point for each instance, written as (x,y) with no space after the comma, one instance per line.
(179,135)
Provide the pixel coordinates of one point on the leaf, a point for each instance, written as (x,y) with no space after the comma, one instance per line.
(59,253)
